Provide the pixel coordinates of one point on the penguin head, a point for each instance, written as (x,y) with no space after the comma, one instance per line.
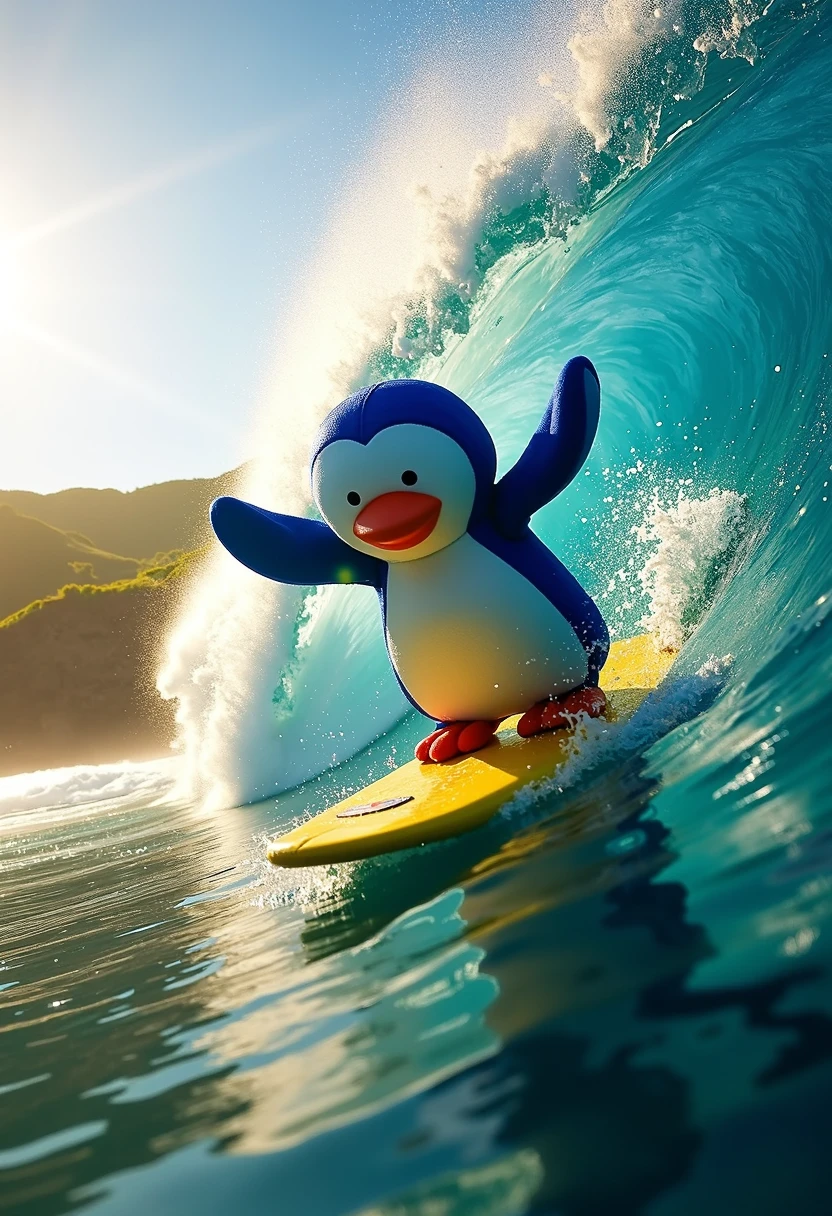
(400,469)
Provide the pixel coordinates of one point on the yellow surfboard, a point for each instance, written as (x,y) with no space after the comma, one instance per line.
(420,803)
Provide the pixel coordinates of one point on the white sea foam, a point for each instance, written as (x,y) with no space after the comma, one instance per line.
(595,741)
(691,538)
(27,796)
(605,43)
(257,711)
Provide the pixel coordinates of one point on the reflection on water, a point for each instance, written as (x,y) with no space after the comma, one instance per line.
(514,1021)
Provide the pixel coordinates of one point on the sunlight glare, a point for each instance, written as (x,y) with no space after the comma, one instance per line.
(8,289)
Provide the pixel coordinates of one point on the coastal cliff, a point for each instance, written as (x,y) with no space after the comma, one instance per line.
(78,676)
(81,627)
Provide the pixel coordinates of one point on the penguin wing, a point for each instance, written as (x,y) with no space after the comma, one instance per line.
(556,450)
(290,550)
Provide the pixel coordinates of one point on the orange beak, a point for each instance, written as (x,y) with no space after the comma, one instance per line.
(398,520)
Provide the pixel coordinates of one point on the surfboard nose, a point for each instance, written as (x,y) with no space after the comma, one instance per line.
(398,520)
(285,853)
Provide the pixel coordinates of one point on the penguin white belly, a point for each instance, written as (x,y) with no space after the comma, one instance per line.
(471,638)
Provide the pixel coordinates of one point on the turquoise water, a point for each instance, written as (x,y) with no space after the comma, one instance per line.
(616,999)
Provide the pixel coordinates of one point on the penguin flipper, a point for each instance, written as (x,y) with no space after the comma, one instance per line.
(555,452)
(288,549)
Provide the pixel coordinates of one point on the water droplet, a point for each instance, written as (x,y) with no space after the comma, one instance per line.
(627,843)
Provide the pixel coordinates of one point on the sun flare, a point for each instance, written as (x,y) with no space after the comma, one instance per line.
(9,284)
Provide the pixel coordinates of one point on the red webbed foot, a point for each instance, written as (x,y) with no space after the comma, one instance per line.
(455,739)
(551,715)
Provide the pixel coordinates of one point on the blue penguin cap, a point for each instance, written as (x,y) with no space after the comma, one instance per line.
(372,409)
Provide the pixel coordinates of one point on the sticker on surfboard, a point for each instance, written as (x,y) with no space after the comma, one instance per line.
(372,808)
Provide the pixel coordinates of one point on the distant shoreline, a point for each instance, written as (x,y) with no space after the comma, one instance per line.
(82,626)
(78,681)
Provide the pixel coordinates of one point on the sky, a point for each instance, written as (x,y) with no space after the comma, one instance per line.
(167,166)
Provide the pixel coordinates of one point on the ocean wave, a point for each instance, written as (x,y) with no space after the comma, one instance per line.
(30,800)
(259,708)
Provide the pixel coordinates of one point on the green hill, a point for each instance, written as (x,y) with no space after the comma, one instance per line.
(140,523)
(77,673)
(81,624)
(37,559)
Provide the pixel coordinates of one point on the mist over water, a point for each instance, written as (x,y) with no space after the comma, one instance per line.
(616,996)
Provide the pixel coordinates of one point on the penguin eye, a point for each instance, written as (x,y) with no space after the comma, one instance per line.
(354,499)
(409,477)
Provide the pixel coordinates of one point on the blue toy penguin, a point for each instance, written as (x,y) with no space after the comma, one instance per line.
(481,620)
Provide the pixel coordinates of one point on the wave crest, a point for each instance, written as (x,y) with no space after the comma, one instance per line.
(592,105)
